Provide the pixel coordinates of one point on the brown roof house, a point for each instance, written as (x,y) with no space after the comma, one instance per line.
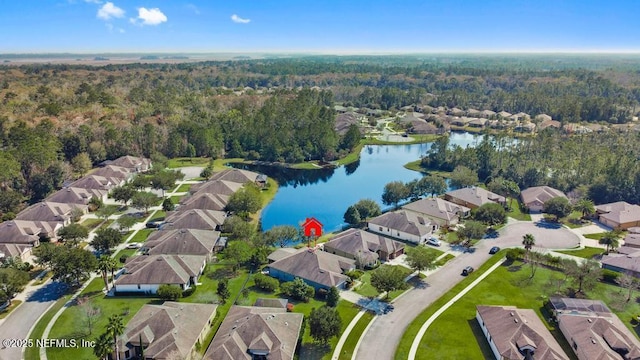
(205,201)
(441,212)
(182,242)
(133,163)
(256,333)
(364,247)
(619,215)
(517,334)
(50,212)
(21,251)
(319,269)
(534,197)
(345,120)
(145,273)
(168,331)
(627,257)
(474,197)
(29,233)
(195,219)
(235,175)
(219,187)
(97,183)
(78,196)
(599,334)
(112,171)
(403,225)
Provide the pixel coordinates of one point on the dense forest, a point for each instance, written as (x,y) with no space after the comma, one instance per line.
(53,116)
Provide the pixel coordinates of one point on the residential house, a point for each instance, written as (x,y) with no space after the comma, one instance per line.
(195,219)
(619,215)
(21,251)
(404,225)
(112,171)
(594,333)
(534,198)
(474,197)
(473,113)
(423,127)
(171,330)
(344,122)
(364,247)
(261,180)
(27,232)
(95,182)
(182,242)
(271,303)
(235,175)
(478,123)
(456,112)
(514,333)
(441,212)
(626,258)
(218,187)
(460,121)
(520,117)
(281,253)
(549,124)
(256,333)
(487,114)
(543,118)
(145,273)
(50,212)
(319,269)
(133,163)
(504,115)
(77,196)
(525,127)
(204,201)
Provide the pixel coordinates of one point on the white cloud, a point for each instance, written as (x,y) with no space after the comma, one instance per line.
(149,17)
(237,19)
(109,11)
(93,1)
(193,8)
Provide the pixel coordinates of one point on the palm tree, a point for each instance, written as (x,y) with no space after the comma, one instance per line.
(105,264)
(585,206)
(103,346)
(611,239)
(528,241)
(115,328)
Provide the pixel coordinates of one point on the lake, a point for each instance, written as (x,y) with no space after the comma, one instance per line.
(327,193)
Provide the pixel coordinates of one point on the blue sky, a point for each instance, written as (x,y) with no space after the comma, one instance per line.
(325,26)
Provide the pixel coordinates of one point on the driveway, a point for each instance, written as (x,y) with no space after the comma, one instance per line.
(383,337)
(18,324)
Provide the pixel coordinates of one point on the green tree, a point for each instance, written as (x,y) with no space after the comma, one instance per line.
(432,184)
(104,212)
(144,200)
(586,207)
(584,275)
(115,328)
(351,138)
(106,264)
(223,290)
(528,241)
(104,346)
(558,207)
(238,253)
(71,265)
(298,289)
(72,234)
(387,278)
(168,205)
(13,281)
(81,163)
(245,200)
(491,214)
(266,282)
(473,230)
(611,239)
(281,235)
(123,193)
(169,292)
(421,258)
(206,173)
(333,296)
(367,208)
(125,222)
(44,254)
(394,192)
(165,179)
(324,323)
(191,151)
(462,177)
(106,239)
(352,215)
(238,229)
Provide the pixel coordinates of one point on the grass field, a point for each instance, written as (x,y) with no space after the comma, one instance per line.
(587,252)
(444,260)
(141,235)
(185,161)
(184,188)
(516,213)
(350,344)
(32,353)
(366,289)
(91,224)
(596,236)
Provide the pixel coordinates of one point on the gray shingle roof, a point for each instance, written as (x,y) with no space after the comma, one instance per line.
(235,175)
(317,266)
(195,219)
(219,187)
(182,241)
(476,195)
(256,330)
(540,194)
(205,201)
(619,212)
(404,221)
(358,242)
(161,269)
(71,195)
(24,232)
(437,208)
(48,211)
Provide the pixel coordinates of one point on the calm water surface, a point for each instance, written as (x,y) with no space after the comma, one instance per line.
(326,194)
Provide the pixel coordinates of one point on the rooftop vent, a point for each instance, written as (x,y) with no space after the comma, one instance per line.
(515,320)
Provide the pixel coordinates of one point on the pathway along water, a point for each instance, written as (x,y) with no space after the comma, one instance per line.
(326,193)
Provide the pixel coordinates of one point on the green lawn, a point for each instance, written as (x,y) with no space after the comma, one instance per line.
(141,235)
(185,161)
(366,289)
(407,338)
(32,353)
(91,224)
(574,220)
(72,323)
(587,252)
(353,156)
(129,252)
(158,216)
(444,260)
(184,188)
(596,236)
(517,213)
(350,344)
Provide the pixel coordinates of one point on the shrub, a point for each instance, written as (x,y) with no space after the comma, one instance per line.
(189,291)
(610,276)
(123,258)
(298,289)
(515,254)
(266,282)
(169,292)
(355,274)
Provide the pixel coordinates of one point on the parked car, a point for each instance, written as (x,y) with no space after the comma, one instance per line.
(467,270)
(433,241)
(134,246)
(153,224)
(494,250)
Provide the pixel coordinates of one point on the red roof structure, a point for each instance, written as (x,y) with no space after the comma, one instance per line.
(312,227)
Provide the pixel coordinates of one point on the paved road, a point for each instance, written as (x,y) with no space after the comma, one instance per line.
(383,337)
(20,321)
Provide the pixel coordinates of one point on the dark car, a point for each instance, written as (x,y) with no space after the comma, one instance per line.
(467,270)
(153,224)
(494,250)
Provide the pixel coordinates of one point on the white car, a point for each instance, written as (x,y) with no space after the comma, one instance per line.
(433,241)
(134,246)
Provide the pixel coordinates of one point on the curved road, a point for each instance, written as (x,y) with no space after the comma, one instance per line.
(383,337)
